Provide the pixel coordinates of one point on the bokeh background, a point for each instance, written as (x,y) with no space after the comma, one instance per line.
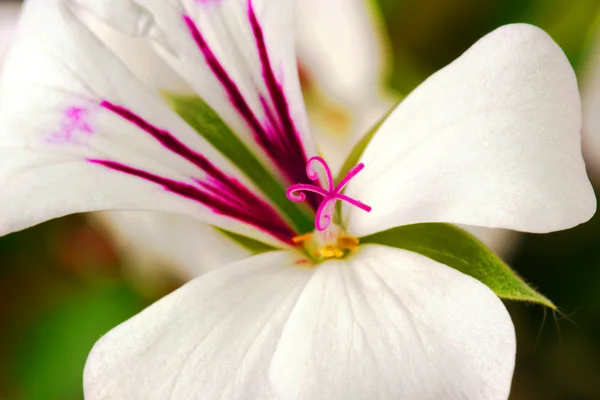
(63,284)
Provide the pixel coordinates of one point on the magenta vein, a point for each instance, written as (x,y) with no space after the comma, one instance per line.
(222,194)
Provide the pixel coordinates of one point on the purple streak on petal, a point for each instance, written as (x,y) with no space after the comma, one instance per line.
(222,193)
(294,153)
(173,144)
(270,116)
(165,138)
(258,218)
(277,136)
(231,88)
(275,90)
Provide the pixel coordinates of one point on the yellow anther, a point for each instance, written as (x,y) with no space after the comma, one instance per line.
(330,251)
(302,238)
(347,243)
(319,246)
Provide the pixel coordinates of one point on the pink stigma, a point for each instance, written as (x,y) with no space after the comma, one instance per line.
(330,196)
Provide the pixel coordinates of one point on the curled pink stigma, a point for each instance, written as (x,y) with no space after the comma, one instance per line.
(330,196)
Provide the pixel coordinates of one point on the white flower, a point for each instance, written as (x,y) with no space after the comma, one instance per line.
(342,54)
(340,49)
(491,140)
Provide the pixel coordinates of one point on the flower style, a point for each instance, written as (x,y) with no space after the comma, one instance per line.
(491,140)
(333,192)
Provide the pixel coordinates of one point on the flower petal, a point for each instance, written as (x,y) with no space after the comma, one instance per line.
(491,140)
(342,59)
(83,134)
(238,55)
(139,56)
(340,46)
(391,324)
(186,245)
(213,338)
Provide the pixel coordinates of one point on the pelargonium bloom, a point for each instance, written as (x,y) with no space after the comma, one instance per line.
(491,140)
(340,52)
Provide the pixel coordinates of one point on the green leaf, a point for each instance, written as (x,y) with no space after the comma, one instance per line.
(360,147)
(355,155)
(460,250)
(249,244)
(209,125)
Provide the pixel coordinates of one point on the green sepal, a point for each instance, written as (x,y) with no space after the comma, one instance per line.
(253,246)
(460,250)
(355,155)
(360,147)
(209,125)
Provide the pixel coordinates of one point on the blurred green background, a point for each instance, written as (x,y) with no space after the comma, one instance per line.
(62,284)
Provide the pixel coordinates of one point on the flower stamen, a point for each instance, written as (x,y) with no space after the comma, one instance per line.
(331,243)
(302,238)
(349,243)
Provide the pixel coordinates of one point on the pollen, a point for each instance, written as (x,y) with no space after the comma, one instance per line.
(349,243)
(340,248)
(330,244)
(302,238)
(330,251)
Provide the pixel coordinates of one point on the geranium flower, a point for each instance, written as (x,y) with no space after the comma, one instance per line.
(341,53)
(491,140)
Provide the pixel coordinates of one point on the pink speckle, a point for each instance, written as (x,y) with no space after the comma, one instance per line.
(76,115)
(74,123)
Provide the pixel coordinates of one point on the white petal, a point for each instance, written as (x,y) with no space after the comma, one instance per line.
(341,55)
(491,140)
(217,47)
(391,324)
(139,56)
(337,127)
(187,246)
(64,149)
(340,46)
(211,339)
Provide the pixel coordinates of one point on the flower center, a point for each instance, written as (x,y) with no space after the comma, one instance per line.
(330,243)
